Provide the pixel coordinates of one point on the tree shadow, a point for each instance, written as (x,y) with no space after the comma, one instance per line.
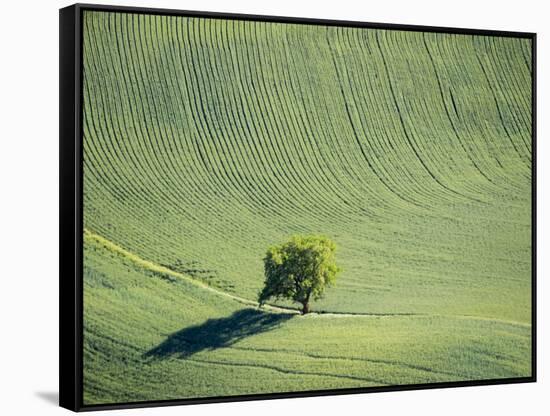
(217,333)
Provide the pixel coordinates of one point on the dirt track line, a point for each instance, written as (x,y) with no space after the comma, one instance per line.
(360,359)
(148,265)
(156,268)
(287,371)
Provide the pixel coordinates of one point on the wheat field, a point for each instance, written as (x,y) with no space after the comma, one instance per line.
(207,140)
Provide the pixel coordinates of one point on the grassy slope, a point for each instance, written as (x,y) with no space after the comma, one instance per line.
(153,335)
(206,141)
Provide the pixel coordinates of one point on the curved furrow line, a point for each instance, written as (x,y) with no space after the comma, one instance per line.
(313,164)
(527,58)
(252,162)
(428,195)
(358,82)
(233,176)
(145,148)
(416,101)
(468,152)
(336,77)
(116,179)
(149,109)
(215,210)
(383,169)
(488,153)
(138,210)
(501,73)
(299,173)
(116,187)
(476,111)
(252,224)
(143,151)
(274,159)
(244,84)
(217,171)
(511,100)
(352,164)
(371,119)
(380,177)
(450,143)
(499,112)
(411,184)
(412,145)
(253,158)
(501,64)
(181,166)
(375,168)
(208,137)
(296,174)
(303,144)
(341,168)
(296,100)
(441,152)
(312,138)
(417,172)
(191,164)
(162,104)
(422,121)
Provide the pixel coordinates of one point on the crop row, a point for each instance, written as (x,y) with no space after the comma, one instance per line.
(206,140)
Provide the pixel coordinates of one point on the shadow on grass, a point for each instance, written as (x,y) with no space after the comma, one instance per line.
(217,333)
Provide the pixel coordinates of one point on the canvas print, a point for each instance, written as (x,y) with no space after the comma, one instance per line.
(278,207)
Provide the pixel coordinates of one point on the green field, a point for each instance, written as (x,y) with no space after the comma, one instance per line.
(206,141)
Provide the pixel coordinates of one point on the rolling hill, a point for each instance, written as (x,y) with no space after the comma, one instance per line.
(207,140)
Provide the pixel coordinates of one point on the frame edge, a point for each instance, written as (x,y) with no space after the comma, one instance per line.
(534,328)
(303,20)
(70,374)
(70,200)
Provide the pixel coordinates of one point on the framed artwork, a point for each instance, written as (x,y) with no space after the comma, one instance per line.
(255,207)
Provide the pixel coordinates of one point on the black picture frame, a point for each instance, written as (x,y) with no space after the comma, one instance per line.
(71,207)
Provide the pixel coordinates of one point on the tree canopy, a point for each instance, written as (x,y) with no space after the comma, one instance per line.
(299,270)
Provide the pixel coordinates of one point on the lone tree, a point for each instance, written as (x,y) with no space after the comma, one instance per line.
(299,270)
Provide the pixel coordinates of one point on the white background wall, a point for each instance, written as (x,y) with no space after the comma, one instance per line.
(29,207)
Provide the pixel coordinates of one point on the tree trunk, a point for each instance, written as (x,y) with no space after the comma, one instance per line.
(306,308)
